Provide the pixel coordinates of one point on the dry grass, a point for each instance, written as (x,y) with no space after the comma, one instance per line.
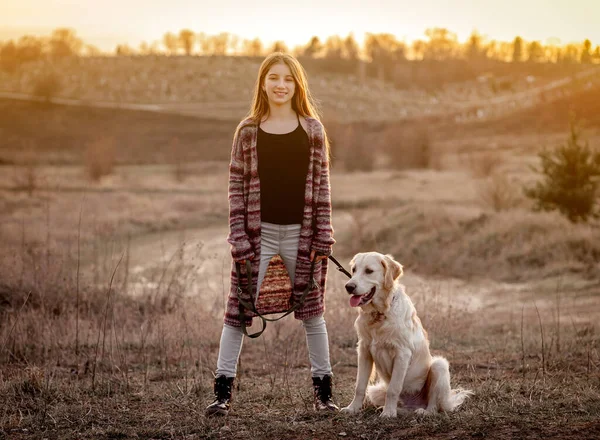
(484,164)
(146,372)
(499,193)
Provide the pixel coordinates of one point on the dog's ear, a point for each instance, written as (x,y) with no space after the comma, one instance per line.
(352,262)
(392,271)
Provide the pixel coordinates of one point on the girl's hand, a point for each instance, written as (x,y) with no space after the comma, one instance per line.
(319,257)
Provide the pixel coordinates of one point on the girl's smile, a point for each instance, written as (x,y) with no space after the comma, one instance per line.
(279,84)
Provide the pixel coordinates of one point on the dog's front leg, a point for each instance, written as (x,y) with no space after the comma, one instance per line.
(365,367)
(399,369)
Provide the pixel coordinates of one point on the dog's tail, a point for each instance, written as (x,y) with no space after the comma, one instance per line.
(438,382)
(456,398)
(376,393)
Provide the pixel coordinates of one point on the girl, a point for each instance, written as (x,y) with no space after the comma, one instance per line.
(279,204)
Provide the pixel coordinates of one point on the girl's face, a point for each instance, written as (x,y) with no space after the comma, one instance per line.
(279,85)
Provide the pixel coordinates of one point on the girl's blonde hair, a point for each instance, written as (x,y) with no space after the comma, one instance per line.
(302,102)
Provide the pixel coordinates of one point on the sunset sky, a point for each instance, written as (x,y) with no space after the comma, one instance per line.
(109,22)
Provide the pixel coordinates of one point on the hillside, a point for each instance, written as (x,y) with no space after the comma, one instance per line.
(221,87)
(60,133)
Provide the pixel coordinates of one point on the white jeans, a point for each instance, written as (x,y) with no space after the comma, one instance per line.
(282,240)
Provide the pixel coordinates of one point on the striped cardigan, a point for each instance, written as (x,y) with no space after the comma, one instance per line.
(244,226)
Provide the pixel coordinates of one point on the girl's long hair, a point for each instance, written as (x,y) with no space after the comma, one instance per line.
(302,102)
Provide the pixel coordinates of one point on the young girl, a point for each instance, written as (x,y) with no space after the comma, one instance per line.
(279,204)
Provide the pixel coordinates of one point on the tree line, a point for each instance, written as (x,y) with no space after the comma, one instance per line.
(380,55)
(438,44)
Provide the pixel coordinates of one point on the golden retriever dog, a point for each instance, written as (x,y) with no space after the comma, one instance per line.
(391,337)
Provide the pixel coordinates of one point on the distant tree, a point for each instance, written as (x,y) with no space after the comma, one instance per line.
(221,43)
(474,47)
(385,52)
(504,51)
(597,53)
(535,52)
(384,48)
(586,54)
(9,58)
(334,48)
(571,175)
(205,43)
(418,49)
(65,43)
(570,54)
(313,48)
(171,43)
(517,50)
(350,48)
(186,40)
(253,48)
(123,50)
(442,44)
(30,48)
(279,46)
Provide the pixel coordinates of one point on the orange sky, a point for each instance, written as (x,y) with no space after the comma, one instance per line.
(109,22)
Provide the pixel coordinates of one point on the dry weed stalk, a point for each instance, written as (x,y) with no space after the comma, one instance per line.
(104,323)
(484,164)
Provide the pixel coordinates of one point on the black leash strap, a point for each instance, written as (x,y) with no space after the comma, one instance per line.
(339,266)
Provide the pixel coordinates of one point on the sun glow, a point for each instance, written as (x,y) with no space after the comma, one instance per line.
(295,23)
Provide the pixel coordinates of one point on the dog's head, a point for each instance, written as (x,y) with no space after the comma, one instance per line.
(373,278)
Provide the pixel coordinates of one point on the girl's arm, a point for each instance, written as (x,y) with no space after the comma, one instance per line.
(323,239)
(241,249)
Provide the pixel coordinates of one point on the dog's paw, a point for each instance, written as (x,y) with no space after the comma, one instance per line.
(389,412)
(421,412)
(350,410)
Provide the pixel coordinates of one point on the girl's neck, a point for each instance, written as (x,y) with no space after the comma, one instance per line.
(281,113)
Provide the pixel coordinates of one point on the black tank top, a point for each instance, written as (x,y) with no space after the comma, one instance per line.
(282,168)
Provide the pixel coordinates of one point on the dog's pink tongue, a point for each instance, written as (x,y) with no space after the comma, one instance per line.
(355,300)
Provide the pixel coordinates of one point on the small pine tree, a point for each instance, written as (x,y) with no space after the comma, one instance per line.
(571,174)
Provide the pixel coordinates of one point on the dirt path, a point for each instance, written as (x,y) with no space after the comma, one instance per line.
(200,259)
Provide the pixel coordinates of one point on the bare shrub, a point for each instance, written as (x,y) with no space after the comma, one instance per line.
(354,151)
(484,164)
(47,85)
(499,193)
(27,178)
(100,157)
(409,149)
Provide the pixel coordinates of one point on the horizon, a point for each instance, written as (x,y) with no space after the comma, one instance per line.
(112,24)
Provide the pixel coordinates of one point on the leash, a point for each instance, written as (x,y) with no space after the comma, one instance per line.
(243,304)
(339,266)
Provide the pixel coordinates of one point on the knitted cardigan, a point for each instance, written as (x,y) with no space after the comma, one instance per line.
(316,231)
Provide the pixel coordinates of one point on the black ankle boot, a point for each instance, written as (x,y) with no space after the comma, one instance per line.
(222,390)
(322,393)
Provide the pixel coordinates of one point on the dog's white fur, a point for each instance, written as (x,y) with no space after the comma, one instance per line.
(391,337)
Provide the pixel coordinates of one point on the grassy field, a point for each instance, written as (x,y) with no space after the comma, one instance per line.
(112,290)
